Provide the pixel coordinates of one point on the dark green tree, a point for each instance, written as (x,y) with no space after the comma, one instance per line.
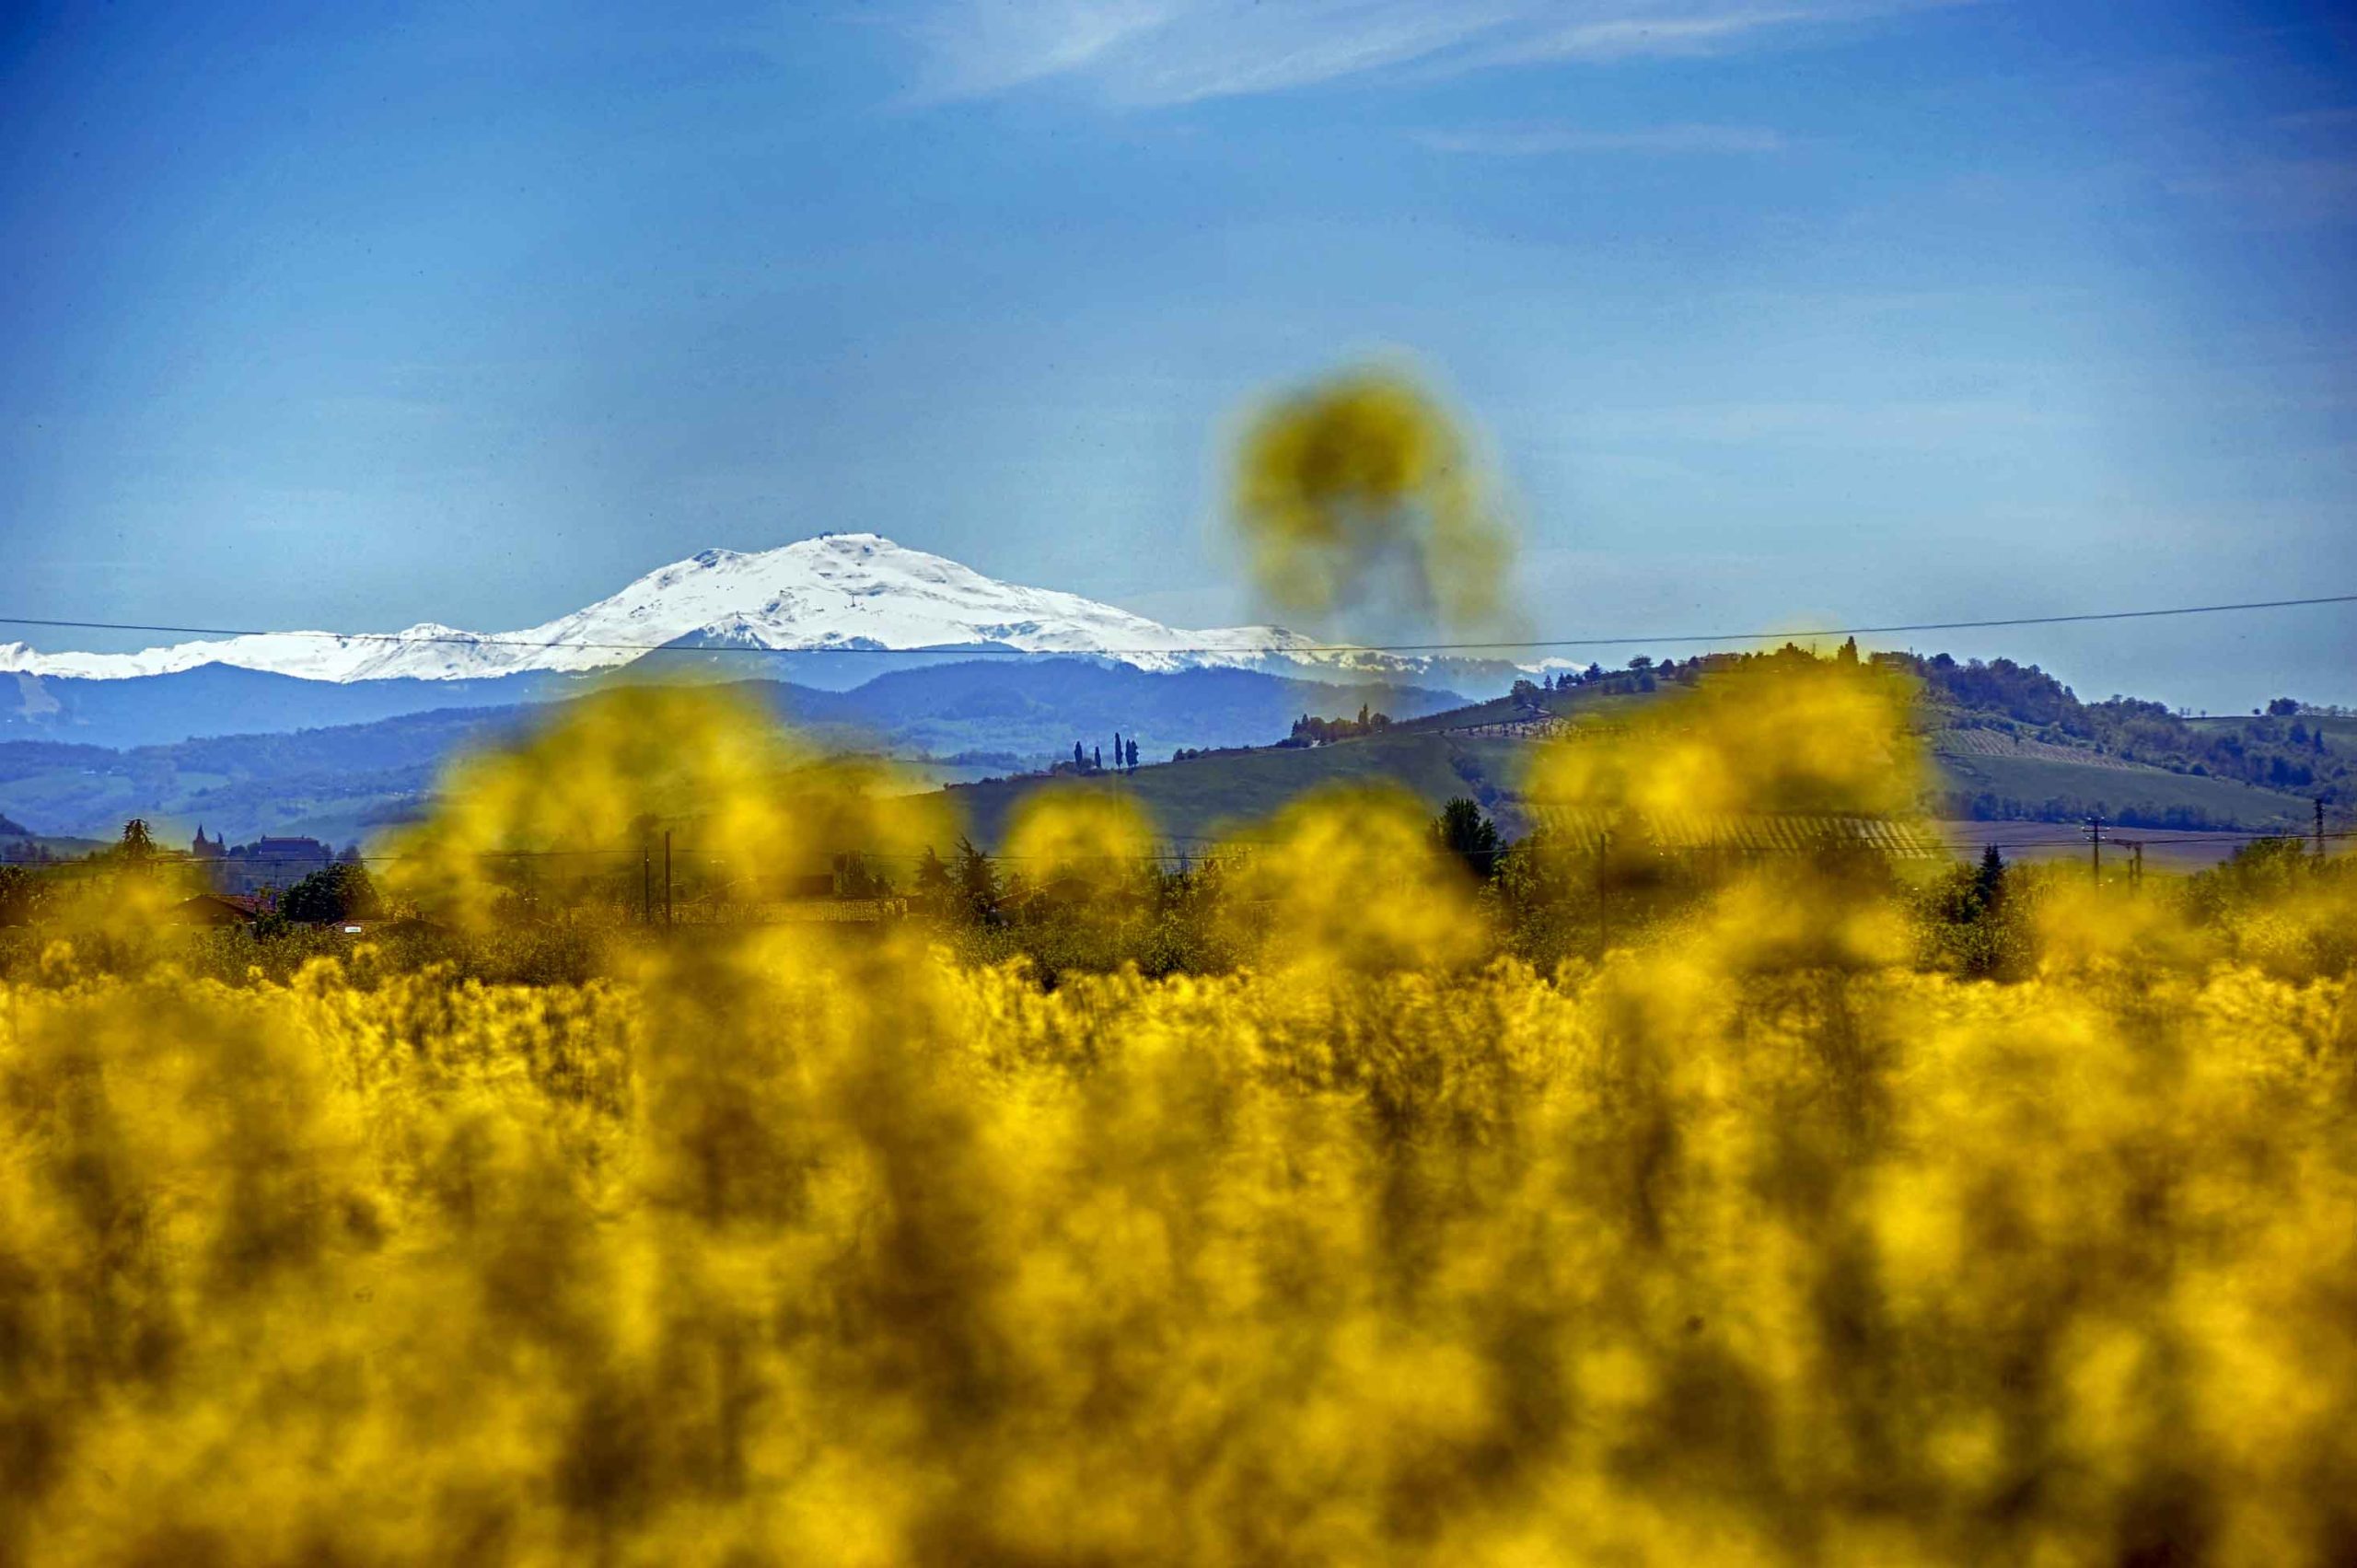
(137,844)
(1989,882)
(975,884)
(20,892)
(341,891)
(933,879)
(1463,831)
(1971,923)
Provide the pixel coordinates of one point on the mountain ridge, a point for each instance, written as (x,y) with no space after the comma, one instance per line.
(832,591)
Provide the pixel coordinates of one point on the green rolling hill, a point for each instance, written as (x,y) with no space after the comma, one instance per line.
(1224,793)
(2052,786)
(2030,752)
(2010,744)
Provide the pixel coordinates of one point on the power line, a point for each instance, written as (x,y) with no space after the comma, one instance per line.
(1494,646)
(2215,837)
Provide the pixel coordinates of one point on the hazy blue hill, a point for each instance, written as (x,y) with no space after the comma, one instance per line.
(702,656)
(21,843)
(343,781)
(221,699)
(1039,707)
(1033,704)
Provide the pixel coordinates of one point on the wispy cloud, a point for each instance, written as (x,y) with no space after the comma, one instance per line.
(1144,52)
(1651,31)
(1542,141)
(976,49)
(2282,193)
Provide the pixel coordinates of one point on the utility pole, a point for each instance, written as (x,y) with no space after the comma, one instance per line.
(645,885)
(2095,844)
(667,876)
(1603,893)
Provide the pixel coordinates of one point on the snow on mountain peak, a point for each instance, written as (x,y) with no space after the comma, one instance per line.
(833,591)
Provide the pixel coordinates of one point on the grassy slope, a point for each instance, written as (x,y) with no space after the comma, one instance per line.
(2113,789)
(1206,796)
(1578,703)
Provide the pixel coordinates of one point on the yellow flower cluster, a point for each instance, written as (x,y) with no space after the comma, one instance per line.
(1746,1242)
(1362,492)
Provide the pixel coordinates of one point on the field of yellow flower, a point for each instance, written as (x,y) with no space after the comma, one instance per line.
(1753,1238)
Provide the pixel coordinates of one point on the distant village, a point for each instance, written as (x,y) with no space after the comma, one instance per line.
(287,878)
(267,863)
(211,862)
(300,880)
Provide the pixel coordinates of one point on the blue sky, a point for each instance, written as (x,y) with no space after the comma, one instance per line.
(1814,311)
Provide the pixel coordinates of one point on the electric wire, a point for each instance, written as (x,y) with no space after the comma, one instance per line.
(1493,645)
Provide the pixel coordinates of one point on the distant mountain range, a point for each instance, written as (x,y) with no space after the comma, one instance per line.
(828,613)
(837,591)
(340,781)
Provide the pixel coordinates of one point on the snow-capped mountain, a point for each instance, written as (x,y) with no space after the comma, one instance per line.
(837,590)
